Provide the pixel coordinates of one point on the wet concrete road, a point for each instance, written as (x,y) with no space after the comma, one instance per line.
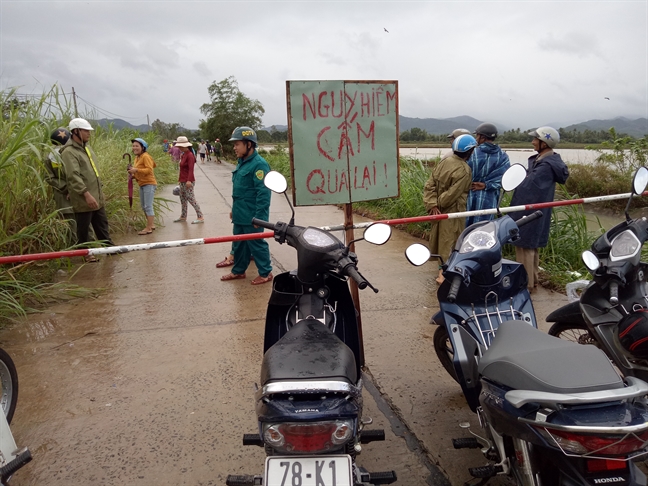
(152,383)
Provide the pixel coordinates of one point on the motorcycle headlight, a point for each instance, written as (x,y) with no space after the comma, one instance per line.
(481,238)
(624,246)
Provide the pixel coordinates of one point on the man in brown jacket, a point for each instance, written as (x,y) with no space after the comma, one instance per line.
(84,185)
(446,191)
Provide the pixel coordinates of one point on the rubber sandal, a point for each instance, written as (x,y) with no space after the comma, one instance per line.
(232,276)
(91,259)
(180,220)
(225,263)
(198,221)
(144,232)
(261,280)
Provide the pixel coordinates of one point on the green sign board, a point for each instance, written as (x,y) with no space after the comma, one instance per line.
(343,140)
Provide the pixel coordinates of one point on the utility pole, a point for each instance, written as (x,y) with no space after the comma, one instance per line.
(76,111)
(148,122)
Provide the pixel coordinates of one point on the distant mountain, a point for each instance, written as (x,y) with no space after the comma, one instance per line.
(118,124)
(635,128)
(278,128)
(436,126)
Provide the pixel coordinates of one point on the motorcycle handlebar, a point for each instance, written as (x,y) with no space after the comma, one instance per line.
(527,219)
(263,224)
(353,273)
(454,288)
(614,292)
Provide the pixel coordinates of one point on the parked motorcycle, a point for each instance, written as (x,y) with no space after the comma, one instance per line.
(551,412)
(12,458)
(309,406)
(616,297)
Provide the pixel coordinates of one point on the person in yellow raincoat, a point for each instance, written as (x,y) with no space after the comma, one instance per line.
(446,191)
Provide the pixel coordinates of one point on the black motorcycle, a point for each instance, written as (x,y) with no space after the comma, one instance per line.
(309,406)
(617,291)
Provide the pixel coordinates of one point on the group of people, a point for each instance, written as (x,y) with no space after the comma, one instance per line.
(207,150)
(469,179)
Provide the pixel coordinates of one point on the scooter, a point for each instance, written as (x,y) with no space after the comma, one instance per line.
(309,406)
(551,412)
(617,289)
(12,458)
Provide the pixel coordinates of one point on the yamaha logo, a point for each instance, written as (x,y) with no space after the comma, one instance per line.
(609,480)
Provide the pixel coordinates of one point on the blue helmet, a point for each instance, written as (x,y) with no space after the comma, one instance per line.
(463,143)
(141,142)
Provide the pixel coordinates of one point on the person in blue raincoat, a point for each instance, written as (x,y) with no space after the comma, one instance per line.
(545,169)
(488,164)
(251,199)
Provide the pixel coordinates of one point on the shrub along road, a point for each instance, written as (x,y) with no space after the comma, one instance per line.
(153,382)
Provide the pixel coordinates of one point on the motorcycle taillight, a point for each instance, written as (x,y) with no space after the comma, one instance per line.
(604,444)
(602,465)
(308,437)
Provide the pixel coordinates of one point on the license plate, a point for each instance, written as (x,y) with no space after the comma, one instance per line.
(308,471)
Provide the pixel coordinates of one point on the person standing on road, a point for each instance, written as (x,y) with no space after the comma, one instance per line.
(488,164)
(84,185)
(202,151)
(545,169)
(451,138)
(142,171)
(251,199)
(446,192)
(186,181)
(58,181)
(218,146)
(175,153)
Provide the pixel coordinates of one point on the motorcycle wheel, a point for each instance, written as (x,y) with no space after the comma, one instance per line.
(8,385)
(575,332)
(444,351)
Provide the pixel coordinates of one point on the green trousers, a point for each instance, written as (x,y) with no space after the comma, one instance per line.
(259,249)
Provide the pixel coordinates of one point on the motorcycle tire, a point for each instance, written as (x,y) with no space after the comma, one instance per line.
(8,385)
(444,351)
(574,332)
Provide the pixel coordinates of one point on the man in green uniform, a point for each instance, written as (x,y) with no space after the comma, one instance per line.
(83,185)
(56,179)
(251,199)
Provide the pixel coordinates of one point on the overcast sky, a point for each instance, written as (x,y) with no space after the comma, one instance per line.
(519,63)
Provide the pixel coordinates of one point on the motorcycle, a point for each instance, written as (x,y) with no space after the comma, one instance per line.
(617,290)
(12,458)
(551,412)
(309,406)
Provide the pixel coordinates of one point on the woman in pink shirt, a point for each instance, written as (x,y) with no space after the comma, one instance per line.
(187,180)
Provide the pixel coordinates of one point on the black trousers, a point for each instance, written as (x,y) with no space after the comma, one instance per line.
(99,222)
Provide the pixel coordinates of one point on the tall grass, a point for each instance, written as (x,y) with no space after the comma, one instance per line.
(29,220)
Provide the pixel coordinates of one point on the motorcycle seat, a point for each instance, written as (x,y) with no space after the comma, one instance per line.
(524,358)
(309,351)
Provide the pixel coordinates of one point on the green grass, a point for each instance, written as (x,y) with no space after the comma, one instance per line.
(29,221)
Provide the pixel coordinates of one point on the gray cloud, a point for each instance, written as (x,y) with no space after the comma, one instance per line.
(580,44)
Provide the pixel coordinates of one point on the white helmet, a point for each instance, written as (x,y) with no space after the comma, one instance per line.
(79,123)
(548,135)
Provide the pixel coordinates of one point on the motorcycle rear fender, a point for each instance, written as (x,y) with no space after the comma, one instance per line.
(568,313)
(466,349)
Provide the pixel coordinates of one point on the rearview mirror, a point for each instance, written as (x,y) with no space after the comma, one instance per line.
(640,180)
(590,260)
(276,182)
(513,177)
(378,233)
(417,254)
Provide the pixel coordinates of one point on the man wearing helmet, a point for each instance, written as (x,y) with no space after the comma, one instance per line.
(217,150)
(57,180)
(488,164)
(251,199)
(84,185)
(445,192)
(545,169)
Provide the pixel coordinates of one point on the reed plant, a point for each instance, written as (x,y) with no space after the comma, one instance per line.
(29,220)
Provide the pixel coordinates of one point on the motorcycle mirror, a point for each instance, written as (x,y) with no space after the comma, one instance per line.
(640,180)
(591,260)
(276,182)
(377,233)
(513,177)
(417,254)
